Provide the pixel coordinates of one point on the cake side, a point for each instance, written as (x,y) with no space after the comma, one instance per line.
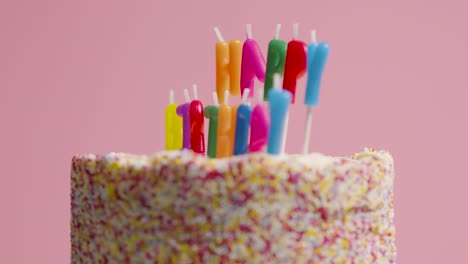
(184,208)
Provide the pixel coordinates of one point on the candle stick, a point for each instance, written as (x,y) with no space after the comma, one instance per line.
(275,60)
(285,133)
(224,143)
(173,125)
(318,54)
(183,111)
(197,136)
(259,125)
(211,112)
(243,124)
(279,103)
(228,66)
(253,63)
(295,63)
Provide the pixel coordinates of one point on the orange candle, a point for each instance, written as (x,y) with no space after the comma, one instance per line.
(225,144)
(228,66)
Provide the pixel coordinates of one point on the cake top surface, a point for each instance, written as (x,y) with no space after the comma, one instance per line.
(311,161)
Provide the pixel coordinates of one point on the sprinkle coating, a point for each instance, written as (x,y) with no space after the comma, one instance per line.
(180,207)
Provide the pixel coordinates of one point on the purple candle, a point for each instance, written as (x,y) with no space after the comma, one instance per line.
(183,111)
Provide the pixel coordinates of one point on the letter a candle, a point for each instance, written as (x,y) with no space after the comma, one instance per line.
(253,63)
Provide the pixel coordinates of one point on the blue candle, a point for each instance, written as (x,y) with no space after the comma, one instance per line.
(244,113)
(317,57)
(280,100)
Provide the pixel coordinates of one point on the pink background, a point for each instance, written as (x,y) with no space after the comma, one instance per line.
(93,76)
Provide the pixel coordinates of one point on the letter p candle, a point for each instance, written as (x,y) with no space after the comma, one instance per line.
(296,63)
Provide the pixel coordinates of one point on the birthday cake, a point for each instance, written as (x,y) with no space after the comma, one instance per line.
(180,207)
(242,199)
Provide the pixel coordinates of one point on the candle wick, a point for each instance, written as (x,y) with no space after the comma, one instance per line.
(171,96)
(215,99)
(296,31)
(313,36)
(249,31)
(278,29)
(195,91)
(186,95)
(218,34)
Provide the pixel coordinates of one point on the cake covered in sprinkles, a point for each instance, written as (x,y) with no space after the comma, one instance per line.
(181,207)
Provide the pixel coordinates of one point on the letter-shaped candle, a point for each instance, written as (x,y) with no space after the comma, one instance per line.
(211,112)
(316,64)
(317,57)
(197,128)
(295,65)
(225,141)
(259,125)
(242,125)
(228,66)
(183,111)
(275,61)
(173,125)
(253,63)
(279,103)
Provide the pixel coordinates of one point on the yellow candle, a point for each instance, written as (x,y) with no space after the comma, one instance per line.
(228,66)
(173,124)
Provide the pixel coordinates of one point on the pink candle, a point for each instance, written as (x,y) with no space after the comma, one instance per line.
(259,126)
(253,63)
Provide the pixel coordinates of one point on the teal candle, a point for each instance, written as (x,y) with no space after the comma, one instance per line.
(280,100)
(318,54)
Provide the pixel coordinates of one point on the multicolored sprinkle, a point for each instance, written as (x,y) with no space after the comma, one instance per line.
(180,207)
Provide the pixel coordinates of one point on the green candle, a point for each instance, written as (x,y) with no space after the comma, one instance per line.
(211,112)
(275,63)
